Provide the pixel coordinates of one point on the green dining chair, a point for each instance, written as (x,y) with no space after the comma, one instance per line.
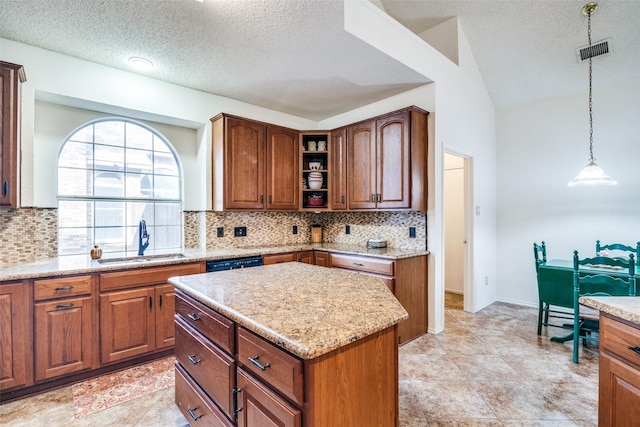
(599,276)
(619,247)
(554,300)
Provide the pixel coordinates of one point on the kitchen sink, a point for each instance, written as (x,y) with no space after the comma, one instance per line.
(142,258)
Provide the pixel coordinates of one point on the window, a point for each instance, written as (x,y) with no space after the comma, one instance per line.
(112,173)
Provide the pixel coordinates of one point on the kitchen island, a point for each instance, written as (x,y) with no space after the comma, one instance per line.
(619,376)
(290,344)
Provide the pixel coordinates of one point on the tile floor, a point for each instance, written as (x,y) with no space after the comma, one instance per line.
(487,369)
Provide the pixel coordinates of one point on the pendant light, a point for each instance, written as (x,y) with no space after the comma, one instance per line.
(592,174)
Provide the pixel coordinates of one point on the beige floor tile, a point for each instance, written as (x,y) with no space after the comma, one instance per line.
(483,367)
(451,400)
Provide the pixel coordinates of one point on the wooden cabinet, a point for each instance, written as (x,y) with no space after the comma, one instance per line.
(315,170)
(305,256)
(387,161)
(136,311)
(619,382)
(279,258)
(270,386)
(338,175)
(255,165)
(15,336)
(65,326)
(321,259)
(406,278)
(11,77)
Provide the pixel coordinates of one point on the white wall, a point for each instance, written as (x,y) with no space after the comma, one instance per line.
(464,122)
(541,147)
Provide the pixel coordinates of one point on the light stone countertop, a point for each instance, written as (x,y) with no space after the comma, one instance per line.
(626,308)
(305,309)
(80,264)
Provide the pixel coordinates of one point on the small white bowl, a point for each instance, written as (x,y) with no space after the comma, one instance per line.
(314,166)
(315,185)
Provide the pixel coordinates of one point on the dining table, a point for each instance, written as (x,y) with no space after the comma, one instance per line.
(555,285)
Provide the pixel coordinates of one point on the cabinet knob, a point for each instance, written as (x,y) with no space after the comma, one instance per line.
(64,288)
(262,198)
(64,306)
(5,188)
(193,413)
(255,361)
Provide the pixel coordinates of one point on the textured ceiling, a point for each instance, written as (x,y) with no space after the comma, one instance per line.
(294,56)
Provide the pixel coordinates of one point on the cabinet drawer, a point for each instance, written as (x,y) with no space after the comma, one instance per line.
(619,338)
(259,406)
(195,405)
(61,287)
(212,369)
(280,369)
(371,265)
(212,325)
(144,276)
(278,258)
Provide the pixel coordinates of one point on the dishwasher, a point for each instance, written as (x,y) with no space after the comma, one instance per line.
(233,263)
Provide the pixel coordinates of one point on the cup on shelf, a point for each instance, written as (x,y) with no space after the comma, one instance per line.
(314,166)
(322,145)
(311,146)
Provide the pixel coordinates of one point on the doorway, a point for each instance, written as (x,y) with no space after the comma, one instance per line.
(457,295)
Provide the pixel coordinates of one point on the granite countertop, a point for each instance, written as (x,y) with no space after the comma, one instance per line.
(79,264)
(626,308)
(305,309)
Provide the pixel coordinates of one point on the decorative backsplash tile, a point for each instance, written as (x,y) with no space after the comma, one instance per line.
(29,234)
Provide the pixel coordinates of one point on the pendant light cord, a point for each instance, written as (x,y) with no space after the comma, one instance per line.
(591,159)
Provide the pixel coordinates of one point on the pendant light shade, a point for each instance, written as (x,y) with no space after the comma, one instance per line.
(592,174)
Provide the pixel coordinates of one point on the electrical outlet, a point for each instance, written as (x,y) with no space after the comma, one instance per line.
(240,231)
(220,231)
(412,232)
(486,280)
(347,229)
(295,229)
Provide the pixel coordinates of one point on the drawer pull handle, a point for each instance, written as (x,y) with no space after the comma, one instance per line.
(636,349)
(235,392)
(192,358)
(193,317)
(357,264)
(192,412)
(64,306)
(64,288)
(255,361)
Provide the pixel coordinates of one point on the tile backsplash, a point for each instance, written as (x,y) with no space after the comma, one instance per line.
(28,234)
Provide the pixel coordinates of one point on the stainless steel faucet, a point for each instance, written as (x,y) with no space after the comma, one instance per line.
(143,237)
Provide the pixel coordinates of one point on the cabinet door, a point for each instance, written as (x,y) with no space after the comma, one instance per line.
(339,169)
(259,406)
(244,164)
(64,333)
(126,324)
(393,153)
(11,75)
(361,159)
(321,259)
(282,169)
(14,335)
(619,394)
(165,308)
(305,257)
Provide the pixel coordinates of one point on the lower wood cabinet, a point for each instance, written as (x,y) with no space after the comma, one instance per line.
(261,384)
(65,326)
(305,257)
(405,277)
(278,258)
(136,312)
(619,382)
(64,336)
(321,259)
(15,335)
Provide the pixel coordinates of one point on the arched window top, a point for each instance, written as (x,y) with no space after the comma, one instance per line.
(118,158)
(112,173)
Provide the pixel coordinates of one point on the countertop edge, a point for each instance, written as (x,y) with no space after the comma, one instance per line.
(626,308)
(53,267)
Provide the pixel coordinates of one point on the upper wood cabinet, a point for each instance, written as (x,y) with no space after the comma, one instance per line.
(387,161)
(11,76)
(255,165)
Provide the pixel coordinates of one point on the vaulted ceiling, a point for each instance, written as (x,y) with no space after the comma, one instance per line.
(294,56)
